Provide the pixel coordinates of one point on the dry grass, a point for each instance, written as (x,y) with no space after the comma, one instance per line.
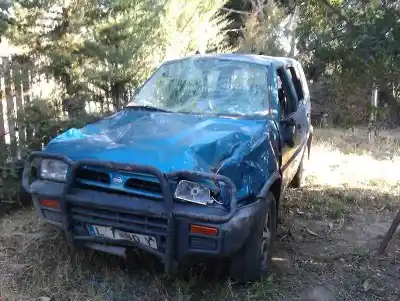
(347,172)
(325,249)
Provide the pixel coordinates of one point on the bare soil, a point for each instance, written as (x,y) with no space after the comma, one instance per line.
(327,241)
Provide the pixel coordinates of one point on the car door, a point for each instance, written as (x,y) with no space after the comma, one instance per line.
(293,121)
(301,117)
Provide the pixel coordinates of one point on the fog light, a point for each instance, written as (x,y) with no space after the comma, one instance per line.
(50,204)
(197,229)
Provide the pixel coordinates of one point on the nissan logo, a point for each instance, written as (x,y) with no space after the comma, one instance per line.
(117,180)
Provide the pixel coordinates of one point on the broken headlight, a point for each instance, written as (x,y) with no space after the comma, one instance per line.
(54,170)
(194,193)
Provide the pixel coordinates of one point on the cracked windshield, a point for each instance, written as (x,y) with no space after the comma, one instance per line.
(207,86)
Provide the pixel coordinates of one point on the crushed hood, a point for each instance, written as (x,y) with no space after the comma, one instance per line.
(237,148)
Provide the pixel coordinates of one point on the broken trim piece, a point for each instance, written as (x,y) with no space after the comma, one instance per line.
(267,185)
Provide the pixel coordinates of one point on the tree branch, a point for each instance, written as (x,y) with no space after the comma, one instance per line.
(338,12)
(233,30)
(235,11)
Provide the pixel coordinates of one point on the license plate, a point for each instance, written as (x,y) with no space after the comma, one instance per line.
(109,232)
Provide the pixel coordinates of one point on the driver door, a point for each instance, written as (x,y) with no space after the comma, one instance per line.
(291,124)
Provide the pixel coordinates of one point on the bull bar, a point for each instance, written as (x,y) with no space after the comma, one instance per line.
(168,200)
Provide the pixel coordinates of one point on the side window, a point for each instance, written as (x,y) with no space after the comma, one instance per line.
(304,84)
(295,78)
(286,96)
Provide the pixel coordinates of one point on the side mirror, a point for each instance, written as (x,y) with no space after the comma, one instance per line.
(288,131)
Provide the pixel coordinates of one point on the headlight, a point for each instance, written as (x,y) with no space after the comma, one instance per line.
(53,170)
(194,193)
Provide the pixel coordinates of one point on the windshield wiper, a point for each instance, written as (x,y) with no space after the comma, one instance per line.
(148,108)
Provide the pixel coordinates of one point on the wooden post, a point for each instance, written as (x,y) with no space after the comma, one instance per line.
(293,25)
(389,234)
(2,129)
(27,97)
(19,103)
(10,106)
(372,131)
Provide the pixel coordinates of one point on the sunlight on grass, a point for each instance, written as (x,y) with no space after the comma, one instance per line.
(345,171)
(332,166)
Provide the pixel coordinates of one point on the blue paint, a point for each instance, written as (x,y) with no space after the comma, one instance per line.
(70,135)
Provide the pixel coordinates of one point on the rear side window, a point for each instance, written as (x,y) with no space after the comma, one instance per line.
(286,96)
(295,78)
(303,79)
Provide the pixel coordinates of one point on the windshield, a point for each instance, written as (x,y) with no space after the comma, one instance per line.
(207,86)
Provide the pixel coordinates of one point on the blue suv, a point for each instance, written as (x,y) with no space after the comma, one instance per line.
(194,165)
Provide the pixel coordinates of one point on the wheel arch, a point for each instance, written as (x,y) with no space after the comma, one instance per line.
(273,185)
(276,191)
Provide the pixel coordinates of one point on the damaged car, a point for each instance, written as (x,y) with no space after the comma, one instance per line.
(194,166)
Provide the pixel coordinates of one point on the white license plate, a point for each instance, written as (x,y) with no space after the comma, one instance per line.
(109,232)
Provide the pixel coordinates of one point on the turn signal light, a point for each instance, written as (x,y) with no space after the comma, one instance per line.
(197,229)
(50,204)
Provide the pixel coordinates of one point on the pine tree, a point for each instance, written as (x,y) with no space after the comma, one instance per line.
(104,47)
(4,16)
(263,30)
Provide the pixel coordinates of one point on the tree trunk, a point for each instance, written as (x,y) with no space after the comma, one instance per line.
(117,90)
(293,32)
(372,129)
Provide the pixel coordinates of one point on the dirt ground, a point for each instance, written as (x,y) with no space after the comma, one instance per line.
(327,241)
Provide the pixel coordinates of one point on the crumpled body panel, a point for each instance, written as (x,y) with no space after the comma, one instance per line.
(242,149)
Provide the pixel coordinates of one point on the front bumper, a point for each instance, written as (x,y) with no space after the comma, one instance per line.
(166,220)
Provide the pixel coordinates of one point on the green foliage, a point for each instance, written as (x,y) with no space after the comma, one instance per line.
(113,46)
(4,16)
(116,47)
(43,120)
(100,51)
(356,41)
(263,29)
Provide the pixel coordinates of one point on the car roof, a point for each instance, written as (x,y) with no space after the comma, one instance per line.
(242,57)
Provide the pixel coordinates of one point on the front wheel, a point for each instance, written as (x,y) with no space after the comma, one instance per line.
(253,260)
(25,199)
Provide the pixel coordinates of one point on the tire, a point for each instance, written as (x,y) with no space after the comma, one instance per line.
(253,261)
(25,199)
(299,177)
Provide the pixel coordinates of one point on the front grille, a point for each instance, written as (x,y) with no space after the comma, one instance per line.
(92,176)
(139,184)
(142,185)
(127,221)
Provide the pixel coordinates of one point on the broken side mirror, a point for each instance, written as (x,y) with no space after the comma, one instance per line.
(288,127)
